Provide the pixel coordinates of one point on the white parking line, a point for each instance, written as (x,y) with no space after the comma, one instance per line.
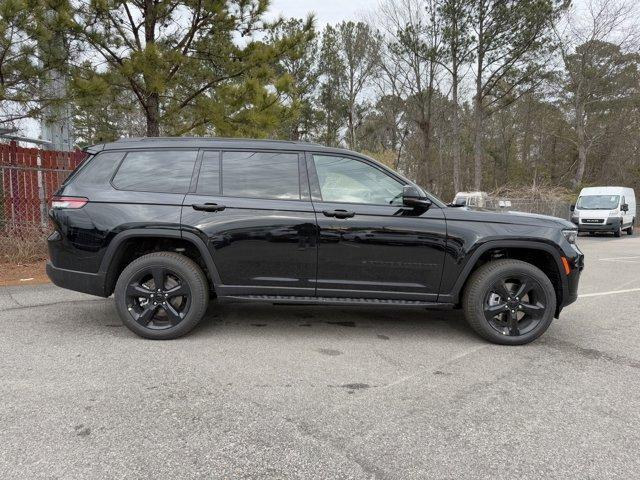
(619,258)
(612,292)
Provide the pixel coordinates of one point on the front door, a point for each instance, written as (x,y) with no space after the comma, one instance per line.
(256,216)
(370,245)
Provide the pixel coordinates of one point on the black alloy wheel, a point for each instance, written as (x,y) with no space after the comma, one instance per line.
(158,298)
(510,302)
(162,295)
(515,305)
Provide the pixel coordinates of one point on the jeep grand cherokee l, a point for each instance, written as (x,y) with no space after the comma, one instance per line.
(166,224)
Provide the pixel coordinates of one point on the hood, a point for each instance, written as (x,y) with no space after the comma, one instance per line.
(507,217)
(599,213)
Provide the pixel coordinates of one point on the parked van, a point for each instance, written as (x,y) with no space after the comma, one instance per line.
(471,199)
(605,209)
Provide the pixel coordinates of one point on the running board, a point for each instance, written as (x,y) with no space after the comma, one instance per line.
(307,300)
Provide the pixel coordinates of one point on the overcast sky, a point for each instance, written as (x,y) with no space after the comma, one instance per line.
(326,11)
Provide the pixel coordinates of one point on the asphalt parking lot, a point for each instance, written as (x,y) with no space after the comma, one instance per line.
(292,392)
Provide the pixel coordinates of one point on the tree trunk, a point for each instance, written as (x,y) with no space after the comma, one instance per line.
(477,144)
(153,115)
(582,146)
(351,131)
(152,107)
(457,150)
(478,101)
(423,167)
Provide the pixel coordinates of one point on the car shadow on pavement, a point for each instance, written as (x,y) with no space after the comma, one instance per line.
(307,321)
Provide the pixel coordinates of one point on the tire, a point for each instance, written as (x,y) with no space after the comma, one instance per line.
(180,305)
(618,232)
(534,309)
(630,230)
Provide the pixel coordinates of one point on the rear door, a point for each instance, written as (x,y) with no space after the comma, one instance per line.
(253,209)
(370,245)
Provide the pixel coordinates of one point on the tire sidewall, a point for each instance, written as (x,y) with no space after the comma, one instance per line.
(187,270)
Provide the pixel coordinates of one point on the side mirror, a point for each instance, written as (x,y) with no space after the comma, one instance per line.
(624,207)
(413,197)
(572,208)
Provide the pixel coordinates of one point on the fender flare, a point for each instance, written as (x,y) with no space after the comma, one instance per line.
(107,264)
(454,295)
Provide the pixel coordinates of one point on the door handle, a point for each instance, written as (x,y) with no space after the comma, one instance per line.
(338,213)
(208,207)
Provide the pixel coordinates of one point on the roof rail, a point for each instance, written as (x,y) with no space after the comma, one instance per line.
(214,139)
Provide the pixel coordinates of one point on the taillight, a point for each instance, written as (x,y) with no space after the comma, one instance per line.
(68,202)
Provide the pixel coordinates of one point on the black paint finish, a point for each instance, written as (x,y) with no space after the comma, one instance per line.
(297,247)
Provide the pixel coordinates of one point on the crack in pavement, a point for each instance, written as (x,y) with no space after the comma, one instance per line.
(23,306)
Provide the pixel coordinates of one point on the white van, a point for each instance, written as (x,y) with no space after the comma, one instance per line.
(605,209)
(471,199)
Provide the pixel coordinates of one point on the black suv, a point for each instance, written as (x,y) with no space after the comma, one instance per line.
(166,224)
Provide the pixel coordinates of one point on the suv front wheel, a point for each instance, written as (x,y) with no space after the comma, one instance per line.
(161,295)
(509,302)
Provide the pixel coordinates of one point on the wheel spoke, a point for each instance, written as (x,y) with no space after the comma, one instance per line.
(501,289)
(524,288)
(178,291)
(147,314)
(512,324)
(172,313)
(490,311)
(158,277)
(533,310)
(137,290)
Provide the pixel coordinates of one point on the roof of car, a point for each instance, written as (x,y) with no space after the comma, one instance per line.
(210,142)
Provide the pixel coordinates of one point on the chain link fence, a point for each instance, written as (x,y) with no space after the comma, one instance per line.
(29,178)
(552,207)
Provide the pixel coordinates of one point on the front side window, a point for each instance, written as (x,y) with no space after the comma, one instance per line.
(164,171)
(598,202)
(269,175)
(345,180)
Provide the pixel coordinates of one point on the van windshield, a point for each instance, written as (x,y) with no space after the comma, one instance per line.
(598,202)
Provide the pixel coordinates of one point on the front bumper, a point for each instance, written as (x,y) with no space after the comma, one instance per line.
(573,280)
(609,225)
(91,283)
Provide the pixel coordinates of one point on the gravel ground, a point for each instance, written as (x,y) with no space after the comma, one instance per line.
(307,392)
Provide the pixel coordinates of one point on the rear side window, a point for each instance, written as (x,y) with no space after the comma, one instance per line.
(166,171)
(99,169)
(270,175)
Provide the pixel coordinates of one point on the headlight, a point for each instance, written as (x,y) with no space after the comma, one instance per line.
(570,235)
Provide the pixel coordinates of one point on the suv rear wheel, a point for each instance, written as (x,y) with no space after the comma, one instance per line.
(509,302)
(161,295)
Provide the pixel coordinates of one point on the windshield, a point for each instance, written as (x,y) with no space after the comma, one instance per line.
(598,202)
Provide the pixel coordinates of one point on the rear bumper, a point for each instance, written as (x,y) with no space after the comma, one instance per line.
(91,283)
